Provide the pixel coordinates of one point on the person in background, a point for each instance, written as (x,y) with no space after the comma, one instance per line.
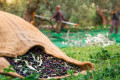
(58,18)
(115,20)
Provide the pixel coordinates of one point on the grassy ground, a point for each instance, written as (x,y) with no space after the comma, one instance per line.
(106,60)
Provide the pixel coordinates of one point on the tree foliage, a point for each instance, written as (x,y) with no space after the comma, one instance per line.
(78,11)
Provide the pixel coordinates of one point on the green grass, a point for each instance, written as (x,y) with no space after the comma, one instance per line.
(106,60)
(82,53)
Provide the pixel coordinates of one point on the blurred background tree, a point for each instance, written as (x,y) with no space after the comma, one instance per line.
(31,7)
(104,9)
(3,5)
(85,12)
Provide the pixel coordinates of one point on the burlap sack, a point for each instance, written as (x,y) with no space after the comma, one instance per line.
(18,36)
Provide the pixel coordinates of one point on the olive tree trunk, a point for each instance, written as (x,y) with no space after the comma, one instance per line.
(30,8)
(102,15)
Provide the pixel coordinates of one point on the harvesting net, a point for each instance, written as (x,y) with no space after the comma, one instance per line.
(18,37)
(80,36)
